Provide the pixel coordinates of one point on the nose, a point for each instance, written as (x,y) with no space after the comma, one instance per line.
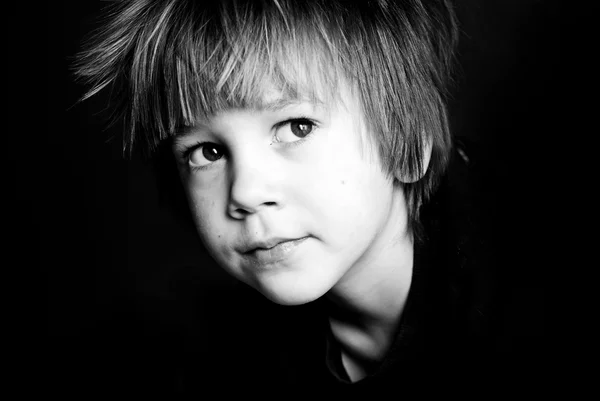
(254,186)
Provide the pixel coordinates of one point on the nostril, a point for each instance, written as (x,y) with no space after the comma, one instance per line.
(241,212)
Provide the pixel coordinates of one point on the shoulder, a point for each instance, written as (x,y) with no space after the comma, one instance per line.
(492,335)
(457,225)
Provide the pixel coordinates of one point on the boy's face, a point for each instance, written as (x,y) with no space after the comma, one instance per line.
(288,199)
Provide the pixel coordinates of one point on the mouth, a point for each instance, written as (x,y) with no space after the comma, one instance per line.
(269,244)
(273,251)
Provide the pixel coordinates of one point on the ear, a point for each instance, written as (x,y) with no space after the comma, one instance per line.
(409,179)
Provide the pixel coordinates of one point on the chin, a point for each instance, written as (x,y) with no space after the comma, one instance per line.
(291,291)
(290,299)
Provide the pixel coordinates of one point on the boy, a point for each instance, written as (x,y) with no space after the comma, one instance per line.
(309,138)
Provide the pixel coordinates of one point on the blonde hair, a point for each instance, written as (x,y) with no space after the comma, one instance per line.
(170,62)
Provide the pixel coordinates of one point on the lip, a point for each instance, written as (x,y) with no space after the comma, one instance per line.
(266,244)
(274,250)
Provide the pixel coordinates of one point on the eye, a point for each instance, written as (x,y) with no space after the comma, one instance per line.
(301,128)
(295,129)
(204,154)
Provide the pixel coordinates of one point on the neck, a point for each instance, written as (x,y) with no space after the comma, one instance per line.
(365,307)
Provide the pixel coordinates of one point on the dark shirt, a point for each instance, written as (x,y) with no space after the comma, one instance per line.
(445,341)
(452,338)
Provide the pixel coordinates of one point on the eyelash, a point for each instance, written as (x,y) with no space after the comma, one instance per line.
(187,150)
(300,141)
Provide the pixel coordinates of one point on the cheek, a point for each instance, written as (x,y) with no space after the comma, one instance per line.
(207,210)
(353,199)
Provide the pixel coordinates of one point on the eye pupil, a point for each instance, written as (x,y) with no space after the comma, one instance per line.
(211,153)
(301,128)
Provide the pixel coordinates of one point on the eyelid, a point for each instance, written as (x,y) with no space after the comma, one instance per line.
(191,138)
(294,119)
(283,123)
(185,151)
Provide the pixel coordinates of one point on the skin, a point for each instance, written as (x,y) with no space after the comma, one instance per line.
(262,180)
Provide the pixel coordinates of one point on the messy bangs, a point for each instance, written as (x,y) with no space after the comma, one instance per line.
(170,64)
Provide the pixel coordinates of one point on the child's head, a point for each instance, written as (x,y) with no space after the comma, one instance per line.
(365,79)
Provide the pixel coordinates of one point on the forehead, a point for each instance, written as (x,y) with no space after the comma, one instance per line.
(273,100)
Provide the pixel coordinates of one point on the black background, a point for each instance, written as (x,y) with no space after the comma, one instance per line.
(115,253)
